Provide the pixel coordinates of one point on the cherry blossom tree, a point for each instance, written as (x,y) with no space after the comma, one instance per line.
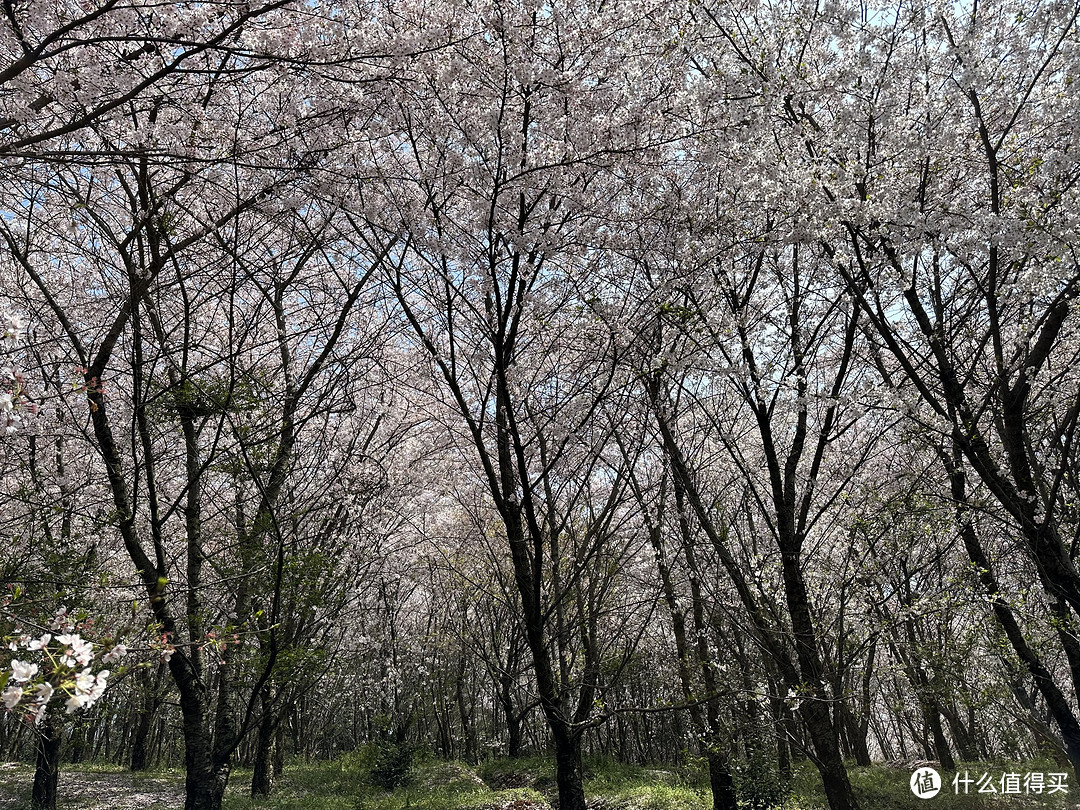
(184,355)
(947,211)
(505,139)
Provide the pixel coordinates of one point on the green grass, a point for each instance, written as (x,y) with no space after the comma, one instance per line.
(529,784)
(524,769)
(436,785)
(344,785)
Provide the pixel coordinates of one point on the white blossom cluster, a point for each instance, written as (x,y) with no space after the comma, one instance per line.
(12,328)
(52,666)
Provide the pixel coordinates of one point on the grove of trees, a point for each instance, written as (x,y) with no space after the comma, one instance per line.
(652,379)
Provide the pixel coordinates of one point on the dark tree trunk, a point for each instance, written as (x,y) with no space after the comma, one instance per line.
(140,739)
(513,734)
(937,734)
(858,726)
(815,711)
(707,722)
(961,736)
(526,505)
(278,759)
(858,730)
(262,776)
(569,774)
(810,673)
(139,742)
(205,779)
(720,781)
(47,764)
(827,757)
(567,738)
(783,753)
(468,731)
(204,783)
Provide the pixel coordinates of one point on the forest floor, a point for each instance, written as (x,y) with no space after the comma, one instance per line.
(527,784)
(95,788)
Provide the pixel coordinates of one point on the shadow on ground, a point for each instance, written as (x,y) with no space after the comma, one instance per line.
(94,790)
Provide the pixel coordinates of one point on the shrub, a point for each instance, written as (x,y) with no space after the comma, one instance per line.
(393,761)
(758,784)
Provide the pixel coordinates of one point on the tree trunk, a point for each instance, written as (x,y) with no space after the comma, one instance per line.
(810,674)
(468,732)
(783,753)
(262,776)
(961,736)
(47,764)
(814,710)
(937,733)
(707,723)
(140,740)
(278,759)
(567,739)
(204,784)
(720,781)
(858,730)
(827,757)
(569,774)
(513,733)
(859,726)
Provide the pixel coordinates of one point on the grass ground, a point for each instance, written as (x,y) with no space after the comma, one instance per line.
(524,784)
(529,784)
